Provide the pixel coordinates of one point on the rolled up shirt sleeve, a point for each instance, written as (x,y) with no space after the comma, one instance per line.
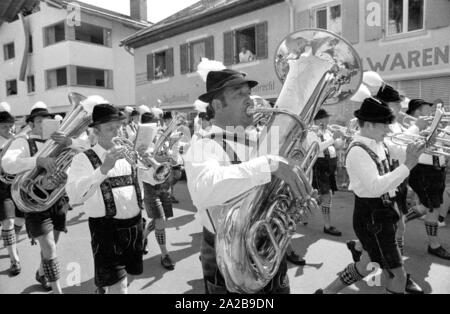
(212,184)
(83,181)
(367,173)
(312,137)
(17,159)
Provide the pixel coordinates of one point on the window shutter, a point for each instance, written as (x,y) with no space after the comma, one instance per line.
(350,20)
(302,20)
(228,48)
(262,49)
(72,75)
(209,47)
(374,20)
(109,79)
(150,68)
(169,62)
(70,32)
(184,55)
(438,13)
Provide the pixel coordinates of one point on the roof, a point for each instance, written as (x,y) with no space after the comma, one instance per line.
(10,8)
(200,14)
(92,9)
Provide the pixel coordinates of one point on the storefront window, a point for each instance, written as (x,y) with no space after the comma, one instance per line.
(405,16)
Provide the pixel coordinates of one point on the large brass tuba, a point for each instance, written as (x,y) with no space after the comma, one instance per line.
(36,190)
(254,230)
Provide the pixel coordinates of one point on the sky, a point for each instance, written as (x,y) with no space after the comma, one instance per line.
(157,9)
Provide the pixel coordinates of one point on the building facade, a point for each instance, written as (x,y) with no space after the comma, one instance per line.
(406,41)
(66,47)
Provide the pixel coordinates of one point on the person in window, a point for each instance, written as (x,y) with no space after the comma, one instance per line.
(246,55)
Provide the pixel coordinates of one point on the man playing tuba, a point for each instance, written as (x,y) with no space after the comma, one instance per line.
(218,168)
(45,227)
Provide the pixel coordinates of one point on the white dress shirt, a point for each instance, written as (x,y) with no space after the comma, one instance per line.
(18,157)
(83,186)
(365,180)
(213,180)
(326,144)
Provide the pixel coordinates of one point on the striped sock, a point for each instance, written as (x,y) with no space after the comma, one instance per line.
(160,236)
(431,228)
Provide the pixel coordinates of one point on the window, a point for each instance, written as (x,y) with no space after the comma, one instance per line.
(191,54)
(93,34)
(160,65)
(246,44)
(329,18)
(30,84)
(56,78)
(54,34)
(93,77)
(11,87)
(405,16)
(8,51)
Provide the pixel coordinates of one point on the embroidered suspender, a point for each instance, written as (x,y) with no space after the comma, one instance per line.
(112,183)
(382,166)
(32,145)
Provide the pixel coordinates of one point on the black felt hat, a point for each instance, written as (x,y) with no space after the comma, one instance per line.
(105,113)
(219,80)
(388,94)
(375,111)
(148,117)
(322,114)
(415,104)
(38,112)
(6,117)
(134,113)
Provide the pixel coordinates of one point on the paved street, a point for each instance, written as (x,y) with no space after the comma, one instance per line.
(325,256)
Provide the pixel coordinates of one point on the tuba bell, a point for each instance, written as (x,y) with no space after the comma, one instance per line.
(317,68)
(36,190)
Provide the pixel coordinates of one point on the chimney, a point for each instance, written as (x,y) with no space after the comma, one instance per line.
(138,10)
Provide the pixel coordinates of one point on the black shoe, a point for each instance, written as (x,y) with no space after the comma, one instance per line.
(439,252)
(167,263)
(332,231)
(43,281)
(412,287)
(15,268)
(100,290)
(174,200)
(320,291)
(356,255)
(295,259)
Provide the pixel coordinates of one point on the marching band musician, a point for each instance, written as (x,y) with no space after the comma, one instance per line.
(107,185)
(158,205)
(324,179)
(374,184)
(119,217)
(132,127)
(11,218)
(428,182)
(392,98)
(218,168)
(45,227)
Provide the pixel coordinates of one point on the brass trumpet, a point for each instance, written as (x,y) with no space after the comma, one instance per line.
(436,144)
(408,120)
(161,170)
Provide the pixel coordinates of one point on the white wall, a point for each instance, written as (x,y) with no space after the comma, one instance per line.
(63,54)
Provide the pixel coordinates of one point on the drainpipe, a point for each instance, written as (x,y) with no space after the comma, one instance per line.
(291,5)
